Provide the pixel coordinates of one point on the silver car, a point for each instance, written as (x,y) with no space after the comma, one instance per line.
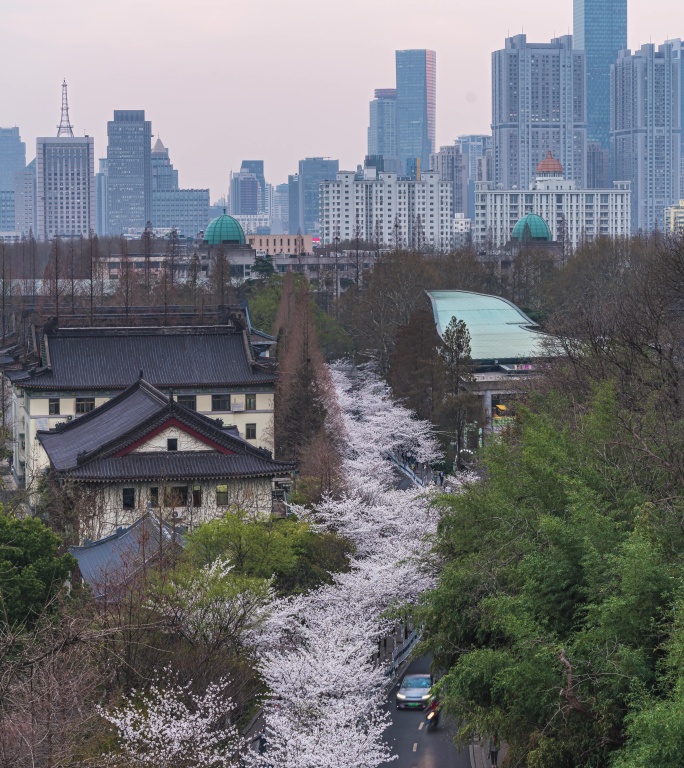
(414,692)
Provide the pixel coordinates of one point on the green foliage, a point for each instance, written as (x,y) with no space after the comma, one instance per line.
(286,549)
(558,575)
(31,570)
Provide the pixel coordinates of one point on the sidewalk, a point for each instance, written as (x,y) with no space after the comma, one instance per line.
(479,754)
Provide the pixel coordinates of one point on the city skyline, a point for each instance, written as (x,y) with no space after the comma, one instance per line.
(172,89)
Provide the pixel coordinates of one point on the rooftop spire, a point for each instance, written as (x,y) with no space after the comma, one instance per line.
(65,128)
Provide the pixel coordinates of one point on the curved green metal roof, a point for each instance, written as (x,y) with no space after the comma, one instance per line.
(498,329)
(539,229)
(224,229)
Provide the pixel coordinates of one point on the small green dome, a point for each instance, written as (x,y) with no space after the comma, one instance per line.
(224,229)
(539,229)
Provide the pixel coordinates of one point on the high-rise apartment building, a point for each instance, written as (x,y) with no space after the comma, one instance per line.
(645,136)
(416,108)
(25,200)
(65,186)
(129,171)
(280,209)
(12,157)
(600,30)
(538,106)
(312,171)
(382,131)
(452,166)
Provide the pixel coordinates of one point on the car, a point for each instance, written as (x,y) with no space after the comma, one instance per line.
(414,692)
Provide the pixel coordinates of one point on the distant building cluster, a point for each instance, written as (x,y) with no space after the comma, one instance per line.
(612,119)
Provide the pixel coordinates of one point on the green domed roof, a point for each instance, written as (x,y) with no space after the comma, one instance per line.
(539,229)
(224,229)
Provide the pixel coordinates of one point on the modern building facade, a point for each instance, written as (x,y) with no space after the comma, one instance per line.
(452,166)
(646,128)
(416,108)
(25,200)
(164,176)
(12,157)
(538,105)
(598,166)
(312,172)
(129,169)
(382,131)
(280,209)
(257,168)
(101,198)
(573,215)
(65,186)
(245,194)
(600,30)
(388,210)
(674,219)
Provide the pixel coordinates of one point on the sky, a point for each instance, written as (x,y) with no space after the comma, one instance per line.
(278,80)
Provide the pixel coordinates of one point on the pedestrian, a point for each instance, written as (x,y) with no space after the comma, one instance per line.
(441,478)
(260,738)
(494,747)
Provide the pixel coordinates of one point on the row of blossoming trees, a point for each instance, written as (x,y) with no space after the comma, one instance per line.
(315,651)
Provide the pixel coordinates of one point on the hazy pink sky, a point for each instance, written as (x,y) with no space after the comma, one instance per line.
(262,79)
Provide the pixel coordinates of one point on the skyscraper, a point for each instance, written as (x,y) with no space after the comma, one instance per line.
(416,107)
(312,171)
(538,106)
(245,193)
(129,179)
(645,136)
(164,176)
(101,198)
(382,131)
(12,157)
(600,30)
(65,181)
(257,168)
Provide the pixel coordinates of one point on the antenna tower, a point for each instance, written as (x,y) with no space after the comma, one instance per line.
(65,128)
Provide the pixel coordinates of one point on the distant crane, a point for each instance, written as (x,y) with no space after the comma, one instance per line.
(65,128)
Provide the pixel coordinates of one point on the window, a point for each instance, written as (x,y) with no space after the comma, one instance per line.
(172,444)
(189,401)
(154,497)
(220,402)
(84,405)
(250,431)
(196,496)
(176,496)
(221,495)
(53,406)
(250,402)
(128,498)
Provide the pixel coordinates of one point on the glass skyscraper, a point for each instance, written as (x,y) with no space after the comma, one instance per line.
(416,107)
(129,168)
(600,30)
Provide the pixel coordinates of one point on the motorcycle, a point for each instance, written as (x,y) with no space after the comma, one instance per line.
(432,716)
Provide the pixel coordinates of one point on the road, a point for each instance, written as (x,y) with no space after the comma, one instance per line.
(411,741)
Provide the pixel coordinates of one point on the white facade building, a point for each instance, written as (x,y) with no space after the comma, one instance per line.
(65,186)
(573,215)
(388,210)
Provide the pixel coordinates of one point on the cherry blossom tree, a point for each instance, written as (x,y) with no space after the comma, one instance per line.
(169,726)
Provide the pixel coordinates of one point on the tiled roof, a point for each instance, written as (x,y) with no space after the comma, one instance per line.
(91,446)
(172,357)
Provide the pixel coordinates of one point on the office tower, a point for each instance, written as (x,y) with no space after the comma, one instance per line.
(382,131)
(245,194)
(451,164)
(101,198)
(416,107)
(293,204)
(25,200)
(312,171)
(645,137)
(257,168)
(280,210)
(65,181)
(12,157)
(597,165)
(477,151)
(129,171)
(164,177)
(538,106)
(600,30)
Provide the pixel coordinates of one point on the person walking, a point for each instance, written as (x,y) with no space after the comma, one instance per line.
(494,747)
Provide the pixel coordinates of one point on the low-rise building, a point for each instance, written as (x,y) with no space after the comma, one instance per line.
(213,370)
(574,215)
(144,449)
(281,245)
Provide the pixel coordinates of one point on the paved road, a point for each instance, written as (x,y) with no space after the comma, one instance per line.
(407,733)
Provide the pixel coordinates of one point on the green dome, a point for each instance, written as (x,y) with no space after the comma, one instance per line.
(539,229)
(224,229)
